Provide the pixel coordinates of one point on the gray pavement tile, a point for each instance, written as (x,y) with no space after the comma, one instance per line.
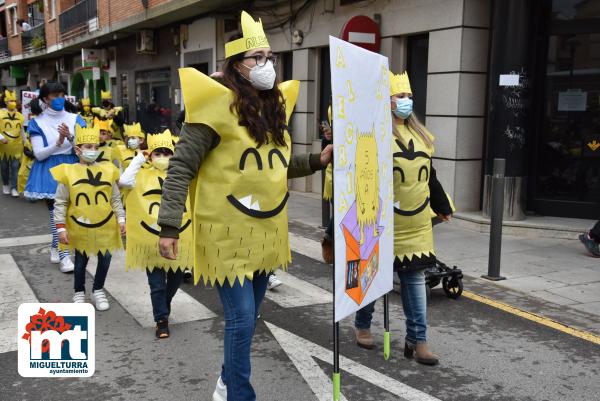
(575,276)
(531,283)
(556,299)
(584,293)
(591,307)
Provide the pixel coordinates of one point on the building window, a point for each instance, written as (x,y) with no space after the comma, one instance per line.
(12,12)
(52,9)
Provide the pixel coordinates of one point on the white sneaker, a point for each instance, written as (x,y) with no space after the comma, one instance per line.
(6,189)
(220,393)
(14,193)
(274,282)
(79,297)
(66,266)
(54,256)
(99,299)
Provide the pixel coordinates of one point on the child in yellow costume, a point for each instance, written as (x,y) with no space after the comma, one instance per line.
(416,190)
(86,112)
(109,111)
(107,147)
(235,153)
(26,163)
(11,144)
(134,138)
(88,213)
(145,185)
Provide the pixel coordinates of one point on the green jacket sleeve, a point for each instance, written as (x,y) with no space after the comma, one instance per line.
(304,164)
(196,140)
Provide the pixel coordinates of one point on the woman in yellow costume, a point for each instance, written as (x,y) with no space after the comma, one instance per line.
(234,158)
(12,137)
(145,185)
(88,213)
(416,192)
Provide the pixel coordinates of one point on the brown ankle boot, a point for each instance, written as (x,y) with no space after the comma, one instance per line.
(327,247)
(364,339)
(421,354)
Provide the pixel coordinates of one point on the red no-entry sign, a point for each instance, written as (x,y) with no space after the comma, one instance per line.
(362,31)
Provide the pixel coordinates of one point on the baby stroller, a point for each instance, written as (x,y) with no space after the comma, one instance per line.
(451,279)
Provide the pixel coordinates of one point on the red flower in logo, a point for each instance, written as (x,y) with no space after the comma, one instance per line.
(44,321)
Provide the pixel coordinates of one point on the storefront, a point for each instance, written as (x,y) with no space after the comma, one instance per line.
(566,172)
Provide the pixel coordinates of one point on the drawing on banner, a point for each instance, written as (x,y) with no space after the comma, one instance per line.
(26,98)
(363,185)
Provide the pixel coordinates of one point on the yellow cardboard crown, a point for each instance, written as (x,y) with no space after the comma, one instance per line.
(254,37)
(86,135)
(105,95)
(10,96)
(132,130)
(162,140)
(103,125)
(85,102)
(399,83)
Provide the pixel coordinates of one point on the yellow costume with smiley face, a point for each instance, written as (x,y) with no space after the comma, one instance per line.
(90,220)
(239,201)
(11,125)
(107,150)
(143,204)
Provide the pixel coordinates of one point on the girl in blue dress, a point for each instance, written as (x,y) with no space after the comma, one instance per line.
(52,134)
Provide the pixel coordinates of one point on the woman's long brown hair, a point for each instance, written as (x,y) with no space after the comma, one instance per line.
(261,112)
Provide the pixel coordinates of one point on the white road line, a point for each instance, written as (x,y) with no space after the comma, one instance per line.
(296,292)
(21,241)
(131,290)
(301,352)
(14,290)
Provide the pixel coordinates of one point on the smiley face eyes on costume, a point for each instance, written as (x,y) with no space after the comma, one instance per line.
(152,206)
(82,195)
(259,162)
(245,156)
(402,176)
(425,170)
(103,195)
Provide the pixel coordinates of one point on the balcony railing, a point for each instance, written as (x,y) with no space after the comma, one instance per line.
(4,52)
(79,19)
(34,39)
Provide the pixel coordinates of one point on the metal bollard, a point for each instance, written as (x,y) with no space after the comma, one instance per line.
(497,215)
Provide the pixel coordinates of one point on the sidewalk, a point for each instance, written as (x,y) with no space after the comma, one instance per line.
(551,270)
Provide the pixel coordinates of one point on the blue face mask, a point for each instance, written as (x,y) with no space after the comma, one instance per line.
(58,103)
(404,107)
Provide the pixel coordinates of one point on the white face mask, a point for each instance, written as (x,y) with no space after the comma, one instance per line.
(89,156)
(263,78)
(133,143)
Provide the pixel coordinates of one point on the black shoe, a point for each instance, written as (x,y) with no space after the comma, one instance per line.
(162,329)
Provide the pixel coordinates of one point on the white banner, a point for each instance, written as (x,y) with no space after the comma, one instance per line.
(363,179)
(26,98)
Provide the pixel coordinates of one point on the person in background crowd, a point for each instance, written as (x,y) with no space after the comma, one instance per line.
(416,189)
(85,111)
(11,144)
(591,240)
(24,25)
(52,134)
(109,111)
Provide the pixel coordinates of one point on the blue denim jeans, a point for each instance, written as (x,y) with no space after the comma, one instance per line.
(414,303)
(163,287)
(240,306)
(81,261)
(10,171)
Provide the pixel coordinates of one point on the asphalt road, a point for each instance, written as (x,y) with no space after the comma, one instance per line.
(486,353)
